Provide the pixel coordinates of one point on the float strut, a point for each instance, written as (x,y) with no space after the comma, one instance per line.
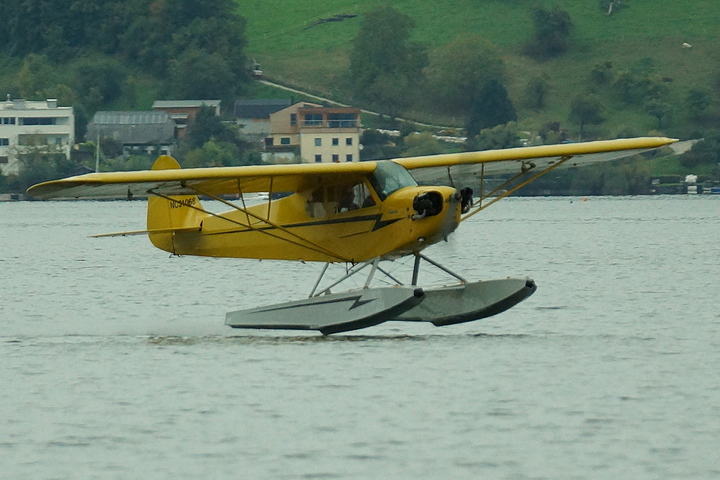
(416,269)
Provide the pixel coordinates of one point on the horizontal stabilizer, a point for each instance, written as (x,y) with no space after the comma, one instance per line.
(148,232)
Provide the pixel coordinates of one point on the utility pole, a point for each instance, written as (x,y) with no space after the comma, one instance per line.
(97,152)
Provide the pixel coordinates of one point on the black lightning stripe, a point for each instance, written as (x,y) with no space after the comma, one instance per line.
(357,302)
(379,223)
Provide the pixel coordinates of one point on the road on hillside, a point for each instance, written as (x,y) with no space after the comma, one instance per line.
(327,100)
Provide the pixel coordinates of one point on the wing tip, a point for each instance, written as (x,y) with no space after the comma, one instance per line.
(44,190)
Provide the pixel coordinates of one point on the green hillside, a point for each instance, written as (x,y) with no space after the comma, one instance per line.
(642,35)
(650,67)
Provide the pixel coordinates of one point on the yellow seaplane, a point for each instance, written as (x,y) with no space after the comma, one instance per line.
(360,214)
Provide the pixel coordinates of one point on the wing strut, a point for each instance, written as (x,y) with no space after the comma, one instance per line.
(416,268)
(526,167)
(301,243)
(376,267)
(356,268)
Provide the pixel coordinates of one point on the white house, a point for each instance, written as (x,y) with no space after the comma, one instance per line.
(24,123)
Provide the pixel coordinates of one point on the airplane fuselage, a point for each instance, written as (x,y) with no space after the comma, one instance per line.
(294,228)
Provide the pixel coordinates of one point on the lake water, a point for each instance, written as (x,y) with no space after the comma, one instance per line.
(116,364)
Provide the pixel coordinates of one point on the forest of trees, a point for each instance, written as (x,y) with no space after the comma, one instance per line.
(193,50)
(197,48)
(94,54)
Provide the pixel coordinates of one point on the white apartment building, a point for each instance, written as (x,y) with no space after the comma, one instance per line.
(329,134)
(24,123)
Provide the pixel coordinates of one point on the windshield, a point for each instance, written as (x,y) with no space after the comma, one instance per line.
(389,177)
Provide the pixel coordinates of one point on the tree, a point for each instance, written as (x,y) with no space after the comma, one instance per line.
(40,162)
(588,180)
(704,152)
(65,28)
(98,80)
(658,109)
(698,99)
(22,31)
(459,69)
(602,74)
(501,136)
(377,146)
(638,87)
(210,141)
(391,94)
(110,147)
(552,29)
(161,32)
(196,47)
(205,127)
(614,184)
(3,182)
(183,12)
(81,122)
(638,177)
(552,133)
(213,154)
(385,66)
(421,144)
(34,76)
(491,107)
(197,74)
(536,92)
(625,179)
(217,39)
(586,111)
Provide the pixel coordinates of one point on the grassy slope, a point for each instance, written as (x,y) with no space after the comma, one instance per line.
(316,58)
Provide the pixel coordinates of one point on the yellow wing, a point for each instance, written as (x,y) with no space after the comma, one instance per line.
(460,169)
(166,178)
(463,169)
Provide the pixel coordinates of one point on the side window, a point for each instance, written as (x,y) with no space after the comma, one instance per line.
(339,199)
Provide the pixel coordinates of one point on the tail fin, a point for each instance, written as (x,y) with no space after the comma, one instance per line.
(181,212)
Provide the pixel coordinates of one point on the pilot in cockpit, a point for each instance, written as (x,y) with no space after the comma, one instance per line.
(346,200)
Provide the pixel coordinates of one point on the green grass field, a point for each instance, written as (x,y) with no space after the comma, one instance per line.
(293,51)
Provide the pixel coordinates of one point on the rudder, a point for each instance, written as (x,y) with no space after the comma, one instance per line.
(173,212)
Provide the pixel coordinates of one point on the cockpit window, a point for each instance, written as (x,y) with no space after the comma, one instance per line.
(342,198)
(389,177)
